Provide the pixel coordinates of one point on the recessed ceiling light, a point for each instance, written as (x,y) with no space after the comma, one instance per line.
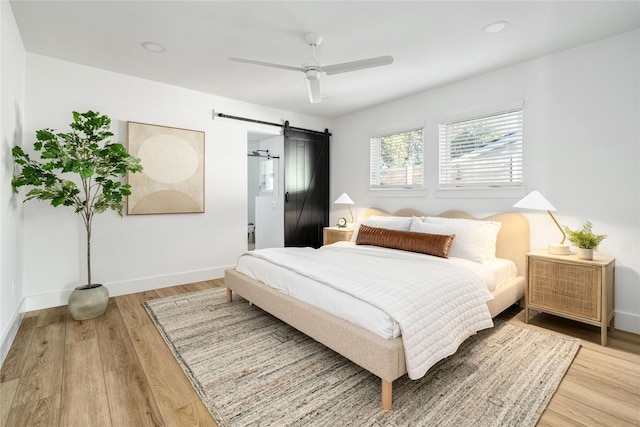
(496,27)
(153,47)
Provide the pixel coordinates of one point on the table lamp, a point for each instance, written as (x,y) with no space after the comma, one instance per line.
(536,201)
(344,199)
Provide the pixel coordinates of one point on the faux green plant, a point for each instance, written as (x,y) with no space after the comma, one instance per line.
(584,238)
(80,169)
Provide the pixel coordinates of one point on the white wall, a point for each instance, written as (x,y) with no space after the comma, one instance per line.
(12,64)
(138,252)
(581,147)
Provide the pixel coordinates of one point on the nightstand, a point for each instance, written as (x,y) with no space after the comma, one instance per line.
(573,288)
(336,234)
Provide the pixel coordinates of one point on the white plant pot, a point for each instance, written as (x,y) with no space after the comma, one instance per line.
(586,254)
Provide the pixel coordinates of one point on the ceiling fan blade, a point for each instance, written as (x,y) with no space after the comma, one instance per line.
(357,65)
(313,90)
(266,64)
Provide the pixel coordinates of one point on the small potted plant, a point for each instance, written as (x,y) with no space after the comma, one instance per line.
(83,156)
(585,240)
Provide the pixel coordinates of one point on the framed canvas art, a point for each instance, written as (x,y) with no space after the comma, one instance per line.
(172,180)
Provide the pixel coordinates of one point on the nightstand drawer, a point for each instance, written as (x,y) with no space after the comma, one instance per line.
(564,287)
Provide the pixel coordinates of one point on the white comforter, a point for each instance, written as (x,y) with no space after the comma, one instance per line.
(438,304)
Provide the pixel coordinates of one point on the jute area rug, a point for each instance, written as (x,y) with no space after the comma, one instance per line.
(251,369)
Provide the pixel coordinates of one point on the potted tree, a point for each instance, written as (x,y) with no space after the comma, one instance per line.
(83,170)
(585,240)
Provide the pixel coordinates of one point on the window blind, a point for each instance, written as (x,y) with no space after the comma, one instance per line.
(481,152)
(397,160)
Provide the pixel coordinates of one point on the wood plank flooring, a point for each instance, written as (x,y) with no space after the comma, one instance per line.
(117,371)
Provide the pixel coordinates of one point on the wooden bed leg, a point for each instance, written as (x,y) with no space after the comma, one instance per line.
(229,295)
(386,395)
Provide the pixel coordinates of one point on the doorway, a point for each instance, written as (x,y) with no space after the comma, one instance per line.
(265,179)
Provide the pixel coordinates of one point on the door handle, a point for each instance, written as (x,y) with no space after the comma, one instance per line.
(286,197)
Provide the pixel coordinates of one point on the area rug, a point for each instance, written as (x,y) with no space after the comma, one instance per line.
(251,369)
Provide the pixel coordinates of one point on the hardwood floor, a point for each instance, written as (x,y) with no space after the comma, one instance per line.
(117,371)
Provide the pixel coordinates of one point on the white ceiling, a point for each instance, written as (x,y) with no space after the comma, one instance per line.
(433,42)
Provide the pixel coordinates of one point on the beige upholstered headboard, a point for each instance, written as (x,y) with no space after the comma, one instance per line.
(513,238)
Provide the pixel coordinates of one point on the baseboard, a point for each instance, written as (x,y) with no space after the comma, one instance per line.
(56,299)
(158,282)
(11,332)
(628,322)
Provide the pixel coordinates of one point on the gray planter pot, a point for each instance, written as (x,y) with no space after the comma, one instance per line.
(87,303)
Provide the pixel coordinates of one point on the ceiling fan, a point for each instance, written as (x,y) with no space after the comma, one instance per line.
(313,67)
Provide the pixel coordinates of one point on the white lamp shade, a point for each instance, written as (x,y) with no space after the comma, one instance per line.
(535,200)
(344,199)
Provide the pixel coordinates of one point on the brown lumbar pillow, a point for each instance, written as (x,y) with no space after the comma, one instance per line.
(431,244)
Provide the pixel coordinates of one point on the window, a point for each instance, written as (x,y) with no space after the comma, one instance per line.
(482,152)
(397,160)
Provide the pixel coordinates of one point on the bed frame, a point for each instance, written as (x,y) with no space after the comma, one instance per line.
(382,357)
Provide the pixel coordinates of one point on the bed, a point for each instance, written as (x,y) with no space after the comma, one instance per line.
(383,356)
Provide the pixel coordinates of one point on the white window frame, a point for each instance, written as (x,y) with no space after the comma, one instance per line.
(374,160)
(496,164)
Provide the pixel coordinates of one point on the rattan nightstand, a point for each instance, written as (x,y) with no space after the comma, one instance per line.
(577,289)
(336,234)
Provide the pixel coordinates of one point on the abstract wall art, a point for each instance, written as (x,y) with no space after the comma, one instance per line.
(172,180)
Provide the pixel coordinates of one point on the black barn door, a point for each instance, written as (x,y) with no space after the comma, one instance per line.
(306,186)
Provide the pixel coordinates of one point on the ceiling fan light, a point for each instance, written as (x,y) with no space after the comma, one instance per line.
(313,74)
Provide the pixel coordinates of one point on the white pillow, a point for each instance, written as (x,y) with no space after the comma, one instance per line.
(388,222)
(467,244)
(420,226)
(475,240)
